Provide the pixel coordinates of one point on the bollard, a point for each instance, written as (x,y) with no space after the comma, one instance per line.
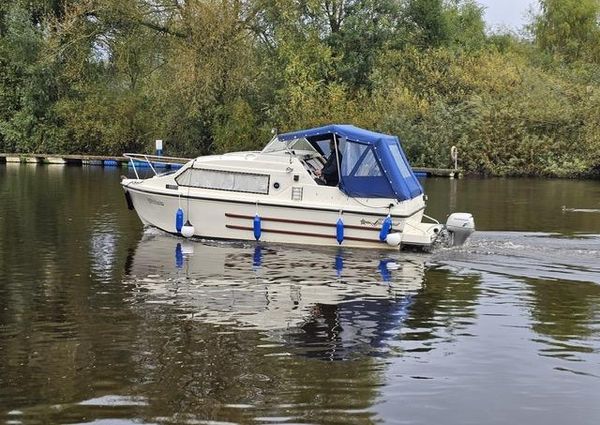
(454,156)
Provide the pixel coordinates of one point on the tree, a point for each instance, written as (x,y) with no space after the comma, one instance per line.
(28,86)
(430,24)
(569,28)
(466,26)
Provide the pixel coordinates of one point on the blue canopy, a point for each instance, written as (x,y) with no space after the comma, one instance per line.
(372,165)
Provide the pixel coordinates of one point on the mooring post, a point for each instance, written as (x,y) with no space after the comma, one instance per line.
(454,156)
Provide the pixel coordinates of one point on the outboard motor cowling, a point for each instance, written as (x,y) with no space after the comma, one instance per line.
(460,226)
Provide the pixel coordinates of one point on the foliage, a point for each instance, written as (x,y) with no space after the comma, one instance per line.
(569,28)
(209,76)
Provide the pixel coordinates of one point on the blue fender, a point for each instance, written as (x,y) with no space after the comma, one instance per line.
(386,227)
(256,225)
(179,220)
(339,230)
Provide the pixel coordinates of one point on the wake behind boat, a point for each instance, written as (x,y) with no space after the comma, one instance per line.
(330,185)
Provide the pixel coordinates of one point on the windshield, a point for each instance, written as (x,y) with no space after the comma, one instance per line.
(276,145)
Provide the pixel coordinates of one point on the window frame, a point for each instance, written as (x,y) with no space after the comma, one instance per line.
(192,169)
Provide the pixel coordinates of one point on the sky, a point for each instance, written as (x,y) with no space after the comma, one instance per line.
(510,14)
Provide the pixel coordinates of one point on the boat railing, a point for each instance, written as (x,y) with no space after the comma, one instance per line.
(152,160)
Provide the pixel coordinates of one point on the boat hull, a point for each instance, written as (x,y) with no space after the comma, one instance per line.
(220,218)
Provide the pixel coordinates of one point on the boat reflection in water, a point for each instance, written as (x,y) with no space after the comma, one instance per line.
(325,302)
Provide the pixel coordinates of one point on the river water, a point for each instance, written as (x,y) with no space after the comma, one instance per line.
(103,322)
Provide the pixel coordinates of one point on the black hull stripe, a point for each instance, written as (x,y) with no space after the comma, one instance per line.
(363,213)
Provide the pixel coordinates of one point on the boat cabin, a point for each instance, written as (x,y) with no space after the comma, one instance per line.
(369,164)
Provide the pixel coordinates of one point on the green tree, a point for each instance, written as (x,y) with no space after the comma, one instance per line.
(569,28)
(28,85)
(430,24)
(466,25)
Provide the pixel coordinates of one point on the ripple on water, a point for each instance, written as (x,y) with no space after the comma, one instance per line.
(242,332)
(534,255)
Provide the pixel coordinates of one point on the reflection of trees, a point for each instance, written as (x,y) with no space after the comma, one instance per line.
(59,320)
(506,203)
(196,369)
(445,305)
(565,311)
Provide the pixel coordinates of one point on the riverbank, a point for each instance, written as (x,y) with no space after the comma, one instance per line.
(121,161)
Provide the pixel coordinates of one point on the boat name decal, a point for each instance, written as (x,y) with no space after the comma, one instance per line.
(378,222)
(155,202)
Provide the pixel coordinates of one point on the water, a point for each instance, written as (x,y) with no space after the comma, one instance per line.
(103,322)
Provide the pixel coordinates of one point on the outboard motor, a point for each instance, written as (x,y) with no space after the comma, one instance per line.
(460,226)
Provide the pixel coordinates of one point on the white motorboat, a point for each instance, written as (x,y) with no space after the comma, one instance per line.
(283,194)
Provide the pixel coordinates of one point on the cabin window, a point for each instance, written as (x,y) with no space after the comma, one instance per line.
(224,180)
(352,153)
(368,166)
(402,165)
(359,161)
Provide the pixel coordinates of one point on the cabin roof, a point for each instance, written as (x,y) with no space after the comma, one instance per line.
(347,131)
